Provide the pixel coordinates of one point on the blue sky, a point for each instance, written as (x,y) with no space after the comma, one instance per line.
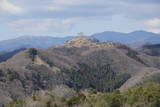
(68,17)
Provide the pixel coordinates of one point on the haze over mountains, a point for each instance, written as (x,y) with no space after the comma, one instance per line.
(43,63)
(81,63)
(129,38)
(136,39)
(31,42)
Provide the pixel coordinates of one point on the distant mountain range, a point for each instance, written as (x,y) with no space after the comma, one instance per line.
(31,42)
(128,38)
(136,39)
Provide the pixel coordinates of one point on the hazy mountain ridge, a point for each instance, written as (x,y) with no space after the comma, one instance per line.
(32,42)
(134,38)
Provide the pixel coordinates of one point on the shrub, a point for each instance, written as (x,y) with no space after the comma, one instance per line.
(17,103)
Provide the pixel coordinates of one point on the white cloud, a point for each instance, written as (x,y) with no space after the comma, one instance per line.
(105,8)
(42,25)
(153,25)
(77,2)
(7,6)
(83,8)
(42,16)
(154,30)
(55,8)
(153,22)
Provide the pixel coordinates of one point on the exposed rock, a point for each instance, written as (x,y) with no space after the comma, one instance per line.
(82,41)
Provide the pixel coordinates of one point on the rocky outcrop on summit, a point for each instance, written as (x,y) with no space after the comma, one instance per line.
(82,41)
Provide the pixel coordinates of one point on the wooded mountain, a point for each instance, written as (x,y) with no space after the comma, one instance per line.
(81,63)
(146,95)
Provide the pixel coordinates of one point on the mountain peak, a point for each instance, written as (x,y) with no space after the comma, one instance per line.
(141,32)
(82,41)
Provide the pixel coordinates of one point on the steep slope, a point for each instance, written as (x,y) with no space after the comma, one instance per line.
(81,63)
(152,49)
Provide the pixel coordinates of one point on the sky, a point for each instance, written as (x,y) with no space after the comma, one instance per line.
(61,18)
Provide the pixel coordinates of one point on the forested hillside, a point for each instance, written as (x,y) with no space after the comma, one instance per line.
(82,63)
(147,95)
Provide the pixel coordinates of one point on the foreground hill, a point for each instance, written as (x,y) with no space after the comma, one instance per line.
(81,63)
(147,95)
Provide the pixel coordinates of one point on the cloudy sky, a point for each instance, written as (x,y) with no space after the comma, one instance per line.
(68,17)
